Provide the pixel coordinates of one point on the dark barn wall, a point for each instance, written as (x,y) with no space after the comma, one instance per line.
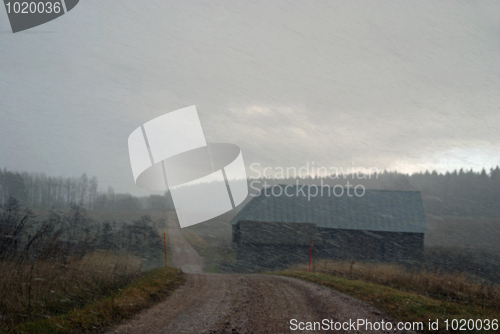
(278,245)
(373,246)
(272,245)
(267,256)
(295,234)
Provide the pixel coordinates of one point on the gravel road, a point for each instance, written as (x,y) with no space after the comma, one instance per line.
(234,303)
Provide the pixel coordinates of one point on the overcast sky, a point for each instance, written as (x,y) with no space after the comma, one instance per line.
(407,86)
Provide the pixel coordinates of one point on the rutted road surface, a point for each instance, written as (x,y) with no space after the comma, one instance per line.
(233,303)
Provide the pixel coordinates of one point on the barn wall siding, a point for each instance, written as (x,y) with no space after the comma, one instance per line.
(293,234)
(269,256)
(370,245)
(356,245)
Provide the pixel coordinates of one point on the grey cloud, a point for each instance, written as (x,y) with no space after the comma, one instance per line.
(375,83)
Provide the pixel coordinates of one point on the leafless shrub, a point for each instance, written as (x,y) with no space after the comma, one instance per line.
(65,261)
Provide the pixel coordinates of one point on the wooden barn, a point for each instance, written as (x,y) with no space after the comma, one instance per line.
(275,231)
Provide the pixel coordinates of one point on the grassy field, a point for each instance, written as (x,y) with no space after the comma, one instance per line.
(49,288)
(57,263)
(405,295)
(148,288)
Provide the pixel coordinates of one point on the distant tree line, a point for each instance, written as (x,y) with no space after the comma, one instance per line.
(459,193)
(37,190)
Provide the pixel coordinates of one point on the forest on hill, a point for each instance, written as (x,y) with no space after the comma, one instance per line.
(458,193)
(39,191)
(463,193)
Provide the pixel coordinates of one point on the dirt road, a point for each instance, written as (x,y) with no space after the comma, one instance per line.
(227,303)
(184,256)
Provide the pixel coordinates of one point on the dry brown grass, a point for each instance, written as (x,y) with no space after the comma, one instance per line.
(459,288)
(149,288)
(47,288)
(403,305)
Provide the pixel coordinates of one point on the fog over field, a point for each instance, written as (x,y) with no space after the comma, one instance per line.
(398,86)
(390,108)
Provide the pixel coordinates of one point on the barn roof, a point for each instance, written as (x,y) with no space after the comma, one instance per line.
(376,210)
